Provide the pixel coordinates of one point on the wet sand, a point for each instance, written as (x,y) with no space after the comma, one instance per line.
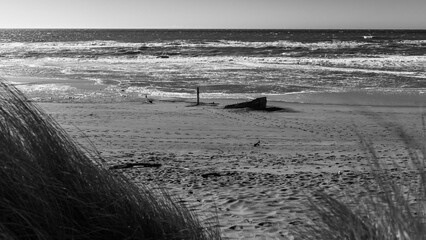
(253,169)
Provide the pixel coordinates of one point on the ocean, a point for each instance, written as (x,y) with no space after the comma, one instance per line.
(74,63)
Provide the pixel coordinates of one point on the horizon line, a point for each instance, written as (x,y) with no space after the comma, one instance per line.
(176,28)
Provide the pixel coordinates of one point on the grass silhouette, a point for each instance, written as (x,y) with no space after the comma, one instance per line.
(52,188)
(390,211)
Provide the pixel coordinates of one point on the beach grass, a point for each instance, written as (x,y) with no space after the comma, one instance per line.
(52,188)
(389,209)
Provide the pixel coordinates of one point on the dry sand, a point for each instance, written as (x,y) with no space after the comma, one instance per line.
(208,155)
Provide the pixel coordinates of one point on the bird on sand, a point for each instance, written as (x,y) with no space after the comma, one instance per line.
(257,144)
(148,99)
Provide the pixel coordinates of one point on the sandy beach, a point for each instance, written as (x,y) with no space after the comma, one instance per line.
(254,169)
(128,94)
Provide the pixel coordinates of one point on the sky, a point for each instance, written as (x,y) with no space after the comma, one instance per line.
(242,14)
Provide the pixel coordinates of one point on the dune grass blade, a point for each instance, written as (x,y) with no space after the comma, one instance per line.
(388,212)
(50,188)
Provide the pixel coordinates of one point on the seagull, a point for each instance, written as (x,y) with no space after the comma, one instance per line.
(257,144)
(148,99)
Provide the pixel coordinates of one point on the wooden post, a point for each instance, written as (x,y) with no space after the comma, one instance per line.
(198,96)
